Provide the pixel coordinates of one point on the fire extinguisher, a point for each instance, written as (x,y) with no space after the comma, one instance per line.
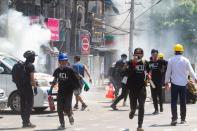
(51,103)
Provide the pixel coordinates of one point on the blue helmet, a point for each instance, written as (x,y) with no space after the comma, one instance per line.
(62,57)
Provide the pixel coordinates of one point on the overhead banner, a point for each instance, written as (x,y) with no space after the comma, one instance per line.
(53,26)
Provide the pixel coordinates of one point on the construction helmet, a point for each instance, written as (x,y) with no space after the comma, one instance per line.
(178,48)
(29,54)
(62,57)
(160,55)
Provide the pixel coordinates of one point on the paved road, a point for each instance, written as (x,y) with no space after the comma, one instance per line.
(100,117)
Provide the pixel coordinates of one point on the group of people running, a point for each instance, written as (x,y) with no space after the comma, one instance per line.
(133,75)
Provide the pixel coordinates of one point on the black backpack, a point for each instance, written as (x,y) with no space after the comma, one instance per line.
(119,68)
(19,76)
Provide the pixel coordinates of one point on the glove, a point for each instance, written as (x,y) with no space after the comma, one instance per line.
(35,91)
(50,91)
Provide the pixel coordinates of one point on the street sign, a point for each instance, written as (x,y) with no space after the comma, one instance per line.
(85,44)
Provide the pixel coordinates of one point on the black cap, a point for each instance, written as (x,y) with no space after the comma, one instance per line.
(123,55)
(29,54)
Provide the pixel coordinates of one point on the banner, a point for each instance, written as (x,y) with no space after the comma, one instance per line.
(53,26)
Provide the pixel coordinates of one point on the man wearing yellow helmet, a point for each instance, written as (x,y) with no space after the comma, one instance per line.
(177,73)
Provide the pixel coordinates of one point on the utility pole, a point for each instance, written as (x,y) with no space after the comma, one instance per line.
(131,29)
(73,44)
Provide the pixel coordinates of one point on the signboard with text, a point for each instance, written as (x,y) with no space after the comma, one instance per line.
(53,26)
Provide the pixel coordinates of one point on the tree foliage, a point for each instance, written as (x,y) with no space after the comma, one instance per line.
(181,18)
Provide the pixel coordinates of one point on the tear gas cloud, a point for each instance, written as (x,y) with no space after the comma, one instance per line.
(19,36)
(144,34)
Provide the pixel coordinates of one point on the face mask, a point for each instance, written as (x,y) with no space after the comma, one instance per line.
(31,59)
(124,60)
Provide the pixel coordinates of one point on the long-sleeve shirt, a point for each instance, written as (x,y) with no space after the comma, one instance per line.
(178,70)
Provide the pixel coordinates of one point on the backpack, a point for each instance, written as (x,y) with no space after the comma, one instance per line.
(19,76)
(119,68)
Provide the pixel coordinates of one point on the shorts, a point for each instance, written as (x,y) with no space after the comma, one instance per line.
(78,91)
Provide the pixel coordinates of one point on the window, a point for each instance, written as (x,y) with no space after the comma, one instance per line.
(6,69)
(10,61)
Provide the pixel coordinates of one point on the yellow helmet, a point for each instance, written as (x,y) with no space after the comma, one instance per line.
(178,48)
(160,55)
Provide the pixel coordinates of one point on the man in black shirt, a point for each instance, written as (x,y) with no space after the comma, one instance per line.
(118,73)
(136,83)
(157,71)
(68,81)
(26,92)
(120,76)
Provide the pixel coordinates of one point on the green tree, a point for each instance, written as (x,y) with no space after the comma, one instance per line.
(181,18)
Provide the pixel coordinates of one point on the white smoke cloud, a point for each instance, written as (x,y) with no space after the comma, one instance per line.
(20,35)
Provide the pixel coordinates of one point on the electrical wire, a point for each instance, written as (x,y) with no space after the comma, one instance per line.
(147,10)
(116,28)
(135,19)
(124,12)
(119,27)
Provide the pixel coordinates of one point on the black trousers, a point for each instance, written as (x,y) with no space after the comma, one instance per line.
(64,105)
(26,101)
(181,92)
(124,94)
(140,97)
(157,94)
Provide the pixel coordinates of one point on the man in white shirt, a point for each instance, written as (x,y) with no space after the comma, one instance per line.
(178,69)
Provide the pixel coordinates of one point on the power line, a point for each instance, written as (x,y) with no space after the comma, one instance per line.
(119,27)
(147,10)
(124,12)
(116,28)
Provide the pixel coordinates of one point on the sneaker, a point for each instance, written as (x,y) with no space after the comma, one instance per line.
(183,122)
(61,127)
(71,120)
(114,107)
(29,125)
(155,112)
(140,129)
(174,122)
(84,106)
(76,107)
(131,114)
